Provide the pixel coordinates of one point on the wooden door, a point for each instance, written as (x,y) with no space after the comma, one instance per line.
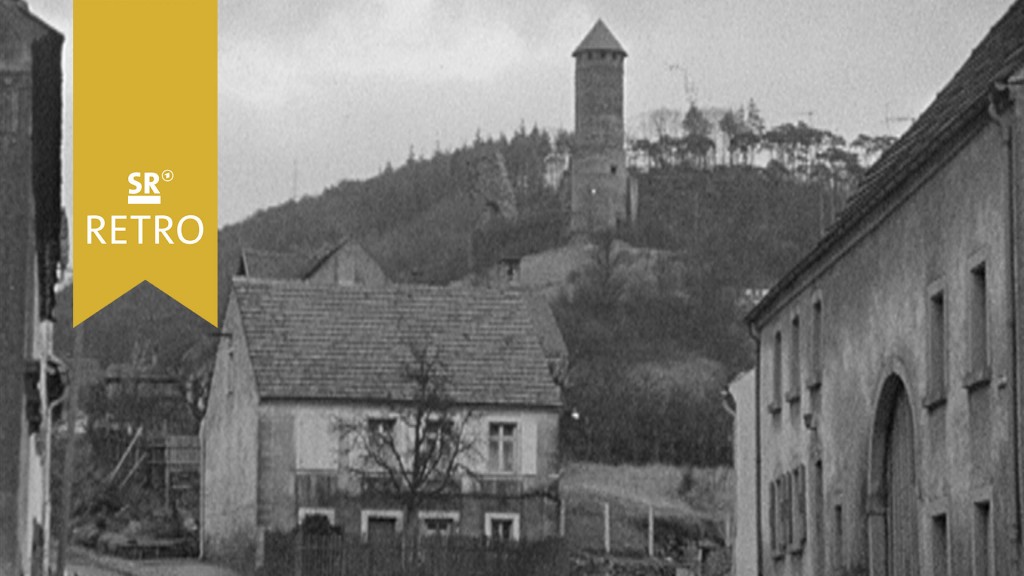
(901,484)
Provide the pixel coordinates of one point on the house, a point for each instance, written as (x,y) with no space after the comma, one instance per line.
(30,254)
(345,262)
(152,404)
(888,405)
(296,361)
(743,529)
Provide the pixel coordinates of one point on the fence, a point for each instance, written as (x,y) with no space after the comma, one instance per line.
(625,529)
(299,554)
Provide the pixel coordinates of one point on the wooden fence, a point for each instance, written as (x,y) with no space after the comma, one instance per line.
(299,554)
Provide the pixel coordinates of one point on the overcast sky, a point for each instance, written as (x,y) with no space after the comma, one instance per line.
(330,90)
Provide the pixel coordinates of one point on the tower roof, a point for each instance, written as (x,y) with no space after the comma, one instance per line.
(599,38)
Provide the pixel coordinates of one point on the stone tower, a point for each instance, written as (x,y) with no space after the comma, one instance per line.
(600,197)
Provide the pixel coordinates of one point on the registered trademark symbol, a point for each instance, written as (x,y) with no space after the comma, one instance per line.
(167,175)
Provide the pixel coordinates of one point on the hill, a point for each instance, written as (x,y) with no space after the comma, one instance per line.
(731,231)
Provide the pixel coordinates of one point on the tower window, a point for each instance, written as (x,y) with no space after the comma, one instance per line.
(615,169)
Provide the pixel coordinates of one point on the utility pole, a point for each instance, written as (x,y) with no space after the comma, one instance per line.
(71,423)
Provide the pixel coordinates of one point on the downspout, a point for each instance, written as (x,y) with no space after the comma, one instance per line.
(1016,88)
(757,445)
(1012,230)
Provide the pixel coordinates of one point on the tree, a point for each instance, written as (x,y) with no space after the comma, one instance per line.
(666,122)
(423,446)
(695,123)
(754,119)
(732,126)
(871,147)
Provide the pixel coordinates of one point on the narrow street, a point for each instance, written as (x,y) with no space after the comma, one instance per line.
(83,562)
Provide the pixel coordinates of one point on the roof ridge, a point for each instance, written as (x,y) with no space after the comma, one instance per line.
(956,105)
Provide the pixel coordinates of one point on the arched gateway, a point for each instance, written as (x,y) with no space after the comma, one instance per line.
(892,514)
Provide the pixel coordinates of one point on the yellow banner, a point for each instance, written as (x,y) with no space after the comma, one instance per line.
(145,151)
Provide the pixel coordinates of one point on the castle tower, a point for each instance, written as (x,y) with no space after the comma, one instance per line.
(600,199)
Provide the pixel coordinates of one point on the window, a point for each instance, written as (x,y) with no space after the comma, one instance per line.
(940,547)
(936,348)
(307,512)
(437,524)
(502,527)
(380,525)
(380,429)
(501,447)
(438,431)
(818,513)
(978,326)
(615,169)
(773,517)
(799,507)
(438,527)
(380,440)
(838,560)
(787,511)
(816,345)
(982,547)
(794,362)
(776,403)
(315,489)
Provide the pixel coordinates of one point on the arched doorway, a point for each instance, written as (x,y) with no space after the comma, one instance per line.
(893,518)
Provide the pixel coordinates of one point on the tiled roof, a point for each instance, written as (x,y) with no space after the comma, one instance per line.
(310,341)
(548,332)
(599,38)
(955,108)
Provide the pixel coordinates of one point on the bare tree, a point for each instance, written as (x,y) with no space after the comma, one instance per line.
(423,446)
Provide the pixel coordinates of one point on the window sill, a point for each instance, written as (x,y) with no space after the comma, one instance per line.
(775,407)
(934,400)
(793,396)
(814,381)
(978,378)
(796,549)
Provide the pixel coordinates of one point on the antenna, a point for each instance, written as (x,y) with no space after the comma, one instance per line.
(890,119)
(689,85)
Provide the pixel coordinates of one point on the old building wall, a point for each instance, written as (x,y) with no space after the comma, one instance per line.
(21,340)
(744,517)
(307,439)
(878,296)
(229,435)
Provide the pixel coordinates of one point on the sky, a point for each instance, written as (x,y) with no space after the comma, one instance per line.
(312,92)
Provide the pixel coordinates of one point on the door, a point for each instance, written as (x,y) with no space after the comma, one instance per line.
(901,489)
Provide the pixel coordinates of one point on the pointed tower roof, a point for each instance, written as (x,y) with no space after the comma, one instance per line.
(599,38)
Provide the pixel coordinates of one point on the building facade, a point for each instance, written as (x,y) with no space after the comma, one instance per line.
(600,194)
(888,409)
(30,250)
(300,363)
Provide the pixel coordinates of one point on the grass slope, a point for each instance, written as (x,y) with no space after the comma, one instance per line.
(689,503)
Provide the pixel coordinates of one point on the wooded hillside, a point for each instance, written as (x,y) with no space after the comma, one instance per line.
(733,230)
